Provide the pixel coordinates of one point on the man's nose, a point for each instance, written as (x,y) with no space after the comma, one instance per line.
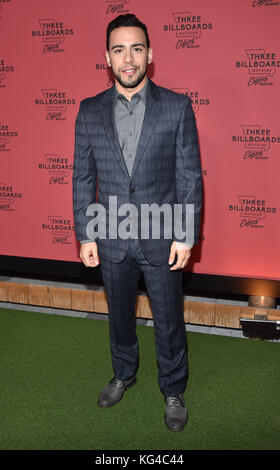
(128,56)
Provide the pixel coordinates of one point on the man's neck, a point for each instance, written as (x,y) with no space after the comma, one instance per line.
(129,92)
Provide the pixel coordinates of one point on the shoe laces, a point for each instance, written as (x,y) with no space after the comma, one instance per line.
(177,401)
(113,382)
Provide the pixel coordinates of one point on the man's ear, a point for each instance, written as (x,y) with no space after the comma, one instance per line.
(150,56)
(108,58)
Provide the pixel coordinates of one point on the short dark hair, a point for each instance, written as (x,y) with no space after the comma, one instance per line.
(126,20)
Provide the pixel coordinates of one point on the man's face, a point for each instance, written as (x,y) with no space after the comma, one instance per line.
(128,56)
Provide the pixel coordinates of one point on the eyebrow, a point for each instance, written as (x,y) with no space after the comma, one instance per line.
(132,45)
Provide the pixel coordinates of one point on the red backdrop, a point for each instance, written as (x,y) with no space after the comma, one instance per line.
(224,55)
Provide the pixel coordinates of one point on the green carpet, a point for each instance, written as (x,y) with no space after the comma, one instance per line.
(53,368)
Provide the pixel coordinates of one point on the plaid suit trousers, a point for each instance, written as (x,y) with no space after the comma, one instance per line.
(164,289)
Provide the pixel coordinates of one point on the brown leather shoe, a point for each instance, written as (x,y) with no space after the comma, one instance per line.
(114,392)
(176,415)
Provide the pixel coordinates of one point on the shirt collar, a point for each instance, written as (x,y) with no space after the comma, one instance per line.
(142,93)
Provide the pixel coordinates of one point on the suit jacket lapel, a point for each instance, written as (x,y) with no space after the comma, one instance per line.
(152,113)
(107,113)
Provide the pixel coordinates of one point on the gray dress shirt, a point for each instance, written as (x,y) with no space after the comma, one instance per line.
(129,116)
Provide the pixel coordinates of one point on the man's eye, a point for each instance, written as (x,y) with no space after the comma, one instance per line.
(138,49)
(118,51)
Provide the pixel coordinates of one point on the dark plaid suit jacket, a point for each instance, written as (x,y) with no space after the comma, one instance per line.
(166,167)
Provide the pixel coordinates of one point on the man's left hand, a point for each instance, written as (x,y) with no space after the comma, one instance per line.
(183,255)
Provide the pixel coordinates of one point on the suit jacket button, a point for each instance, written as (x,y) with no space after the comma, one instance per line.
(132,190)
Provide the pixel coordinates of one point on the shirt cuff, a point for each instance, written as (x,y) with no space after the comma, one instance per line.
(184,245)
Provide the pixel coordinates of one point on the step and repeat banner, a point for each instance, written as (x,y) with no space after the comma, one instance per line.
(223,54)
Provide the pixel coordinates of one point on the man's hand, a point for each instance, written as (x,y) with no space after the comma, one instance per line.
(89,254)
(183,255)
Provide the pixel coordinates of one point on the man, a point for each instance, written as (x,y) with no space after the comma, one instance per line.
(139,141)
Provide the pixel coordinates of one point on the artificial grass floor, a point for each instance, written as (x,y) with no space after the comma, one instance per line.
(52,369)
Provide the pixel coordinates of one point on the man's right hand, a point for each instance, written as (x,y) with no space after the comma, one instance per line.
(89,254)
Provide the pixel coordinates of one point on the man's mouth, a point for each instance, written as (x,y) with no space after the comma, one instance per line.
(129,71)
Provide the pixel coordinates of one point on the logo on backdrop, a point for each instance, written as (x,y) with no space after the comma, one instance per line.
(5,70)
(197,100)
(188,29)
(117,6)
(56,103)
(8,197)
(60,229)
(6,137)
(257,141)
(53,34)
(2,4)
(266,3)
(101,67)
(252,211)
(261,66)
(59,169)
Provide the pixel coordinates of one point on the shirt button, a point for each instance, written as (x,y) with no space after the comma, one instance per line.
(131,113)
(130,155)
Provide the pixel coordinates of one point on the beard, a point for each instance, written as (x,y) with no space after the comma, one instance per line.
(131,83)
